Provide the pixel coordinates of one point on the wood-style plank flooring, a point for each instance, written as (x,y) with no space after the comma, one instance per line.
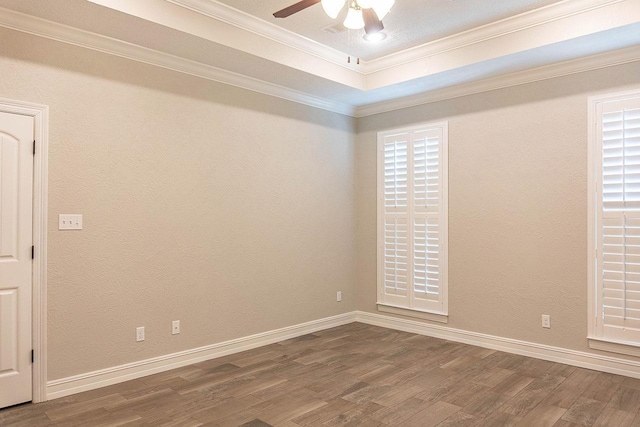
(353,375)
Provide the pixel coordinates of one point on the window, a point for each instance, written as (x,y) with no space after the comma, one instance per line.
(614,219)
(412,218)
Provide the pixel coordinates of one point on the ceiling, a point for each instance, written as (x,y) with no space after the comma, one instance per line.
(410,23)
(435,49)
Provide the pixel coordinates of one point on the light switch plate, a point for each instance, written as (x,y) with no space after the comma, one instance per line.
(70,222)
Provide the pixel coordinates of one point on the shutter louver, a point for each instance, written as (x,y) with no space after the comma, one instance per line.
(621,271)
(396,261)
(396,218)
(619,230)
(426,213)
(621,160)
(410,226)
(395,175)
(426,278)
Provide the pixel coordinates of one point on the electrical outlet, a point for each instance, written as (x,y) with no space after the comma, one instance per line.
(140,334)
(339,296)
(175,327)
(546,321)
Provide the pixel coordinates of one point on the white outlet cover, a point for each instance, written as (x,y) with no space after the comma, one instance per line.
(175,327)
(140,334)
(70,222)
(546,321)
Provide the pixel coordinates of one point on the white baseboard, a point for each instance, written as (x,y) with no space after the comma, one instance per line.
(613,365)
(117,374)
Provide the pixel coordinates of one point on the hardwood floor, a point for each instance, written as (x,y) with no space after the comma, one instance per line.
(354,375)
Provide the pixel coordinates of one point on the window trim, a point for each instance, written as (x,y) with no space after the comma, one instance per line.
(413,312)
(597,341)
(444,291)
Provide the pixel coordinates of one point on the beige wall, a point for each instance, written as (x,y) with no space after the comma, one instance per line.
(517,205)
(239,213)
(229,210)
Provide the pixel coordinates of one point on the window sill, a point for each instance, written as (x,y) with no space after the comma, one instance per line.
(434,317)
(614,346)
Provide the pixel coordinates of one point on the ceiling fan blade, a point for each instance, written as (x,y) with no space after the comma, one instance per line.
(295,8)
(372,24)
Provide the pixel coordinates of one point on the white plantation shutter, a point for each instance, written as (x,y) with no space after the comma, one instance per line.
(396,219)
(618,220)
(412,218)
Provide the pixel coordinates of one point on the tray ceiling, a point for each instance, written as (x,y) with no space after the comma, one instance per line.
(409,24)
(444,48)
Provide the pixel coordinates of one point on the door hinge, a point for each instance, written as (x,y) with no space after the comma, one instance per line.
(33,356)
(33,252)
(34,147)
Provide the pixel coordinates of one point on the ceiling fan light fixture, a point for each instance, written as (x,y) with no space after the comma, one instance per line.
(354,20)
(382,7)
(333,7)
(375,37)
(366,4)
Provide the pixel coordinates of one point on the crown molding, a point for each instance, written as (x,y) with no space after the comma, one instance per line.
(248,41)
(77,37)
(534,18)
(245,21)
(609,15)
(238,30)
(589,63)
(536,28)
(526,20)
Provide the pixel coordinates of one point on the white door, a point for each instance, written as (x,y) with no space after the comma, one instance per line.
(16,188)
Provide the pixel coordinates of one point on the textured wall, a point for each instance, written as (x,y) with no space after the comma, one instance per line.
(226,209)
(239,213)
(517,205)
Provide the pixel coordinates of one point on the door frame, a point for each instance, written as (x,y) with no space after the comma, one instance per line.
(40,114)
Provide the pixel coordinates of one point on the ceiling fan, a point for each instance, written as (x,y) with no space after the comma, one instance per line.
(365,14)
